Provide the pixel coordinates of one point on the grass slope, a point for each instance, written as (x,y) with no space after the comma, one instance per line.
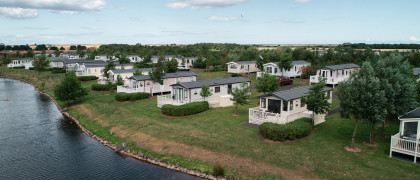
(216,137)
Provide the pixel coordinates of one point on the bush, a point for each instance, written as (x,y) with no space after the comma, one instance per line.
(186,109)
(58,71)
(218,170)
(87,78)
(290,131)
(235,75)
(18,67)
(121,97)
(101,87)
(31,68)
(308,71)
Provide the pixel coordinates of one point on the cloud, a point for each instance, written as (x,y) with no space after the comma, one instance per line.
(414,38)
(20,36)
(122,8)
(59,5)
(64,12)
(23,9)
(302,1)
(197,4)
(137,19)
(222,19)
(18,13)
(283,21)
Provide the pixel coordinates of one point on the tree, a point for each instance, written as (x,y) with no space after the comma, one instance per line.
(362,98)
(171,66)
(30,53)
(267,83)
(285,63)
(53,48)
(205,91)
(73,47)
(260,63)
(41,63)
(7,60)
(119,81)
(70,89)
(57,53)
(241,95)
(40,47)
(307,71)
(396,78)
(183,61)
(137,73)
(317,100)
(109,66)
(62,49)
(158,72)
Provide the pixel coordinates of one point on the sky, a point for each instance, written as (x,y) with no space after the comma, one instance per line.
(210,21)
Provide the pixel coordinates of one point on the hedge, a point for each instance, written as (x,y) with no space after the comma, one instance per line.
(58,71)
(121,97)
(87,78)
(101,87)
(186,109)
(235,74)
(290,131)
(18,67)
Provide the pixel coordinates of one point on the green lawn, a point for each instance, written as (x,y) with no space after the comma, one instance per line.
(335,103)
(213,75)
(215,136)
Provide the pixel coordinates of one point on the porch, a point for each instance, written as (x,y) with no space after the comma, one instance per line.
(259,116)
(167,99)
(405,146)
(155,89)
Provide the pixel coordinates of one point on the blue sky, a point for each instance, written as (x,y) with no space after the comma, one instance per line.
(218,21)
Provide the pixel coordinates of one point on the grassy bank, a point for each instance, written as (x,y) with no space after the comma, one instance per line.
(216,137)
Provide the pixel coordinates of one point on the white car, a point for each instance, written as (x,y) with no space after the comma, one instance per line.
(183,68)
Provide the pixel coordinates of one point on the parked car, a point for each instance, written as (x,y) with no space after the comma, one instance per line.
(285,81)
(183,68)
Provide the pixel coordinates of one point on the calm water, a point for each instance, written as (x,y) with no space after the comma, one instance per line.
(36,142)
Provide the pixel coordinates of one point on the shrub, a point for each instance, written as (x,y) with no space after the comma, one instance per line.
(31,68)
(58,71)
(87,78)
(308,71)
(290,131)
(186,109)
(218,170)
(18,67)
(101,87)
(121,97)
(235,75)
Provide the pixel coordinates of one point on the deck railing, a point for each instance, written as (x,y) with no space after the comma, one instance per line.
(259,116)
(405,146)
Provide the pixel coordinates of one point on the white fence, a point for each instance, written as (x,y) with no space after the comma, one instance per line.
(258,116)
(405,146)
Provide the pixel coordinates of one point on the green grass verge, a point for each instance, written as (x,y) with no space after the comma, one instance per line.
(320,155)
(212,75)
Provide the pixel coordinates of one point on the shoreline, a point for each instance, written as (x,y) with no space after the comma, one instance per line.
(136,155)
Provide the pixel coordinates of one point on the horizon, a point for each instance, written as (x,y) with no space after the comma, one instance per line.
(183,22)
